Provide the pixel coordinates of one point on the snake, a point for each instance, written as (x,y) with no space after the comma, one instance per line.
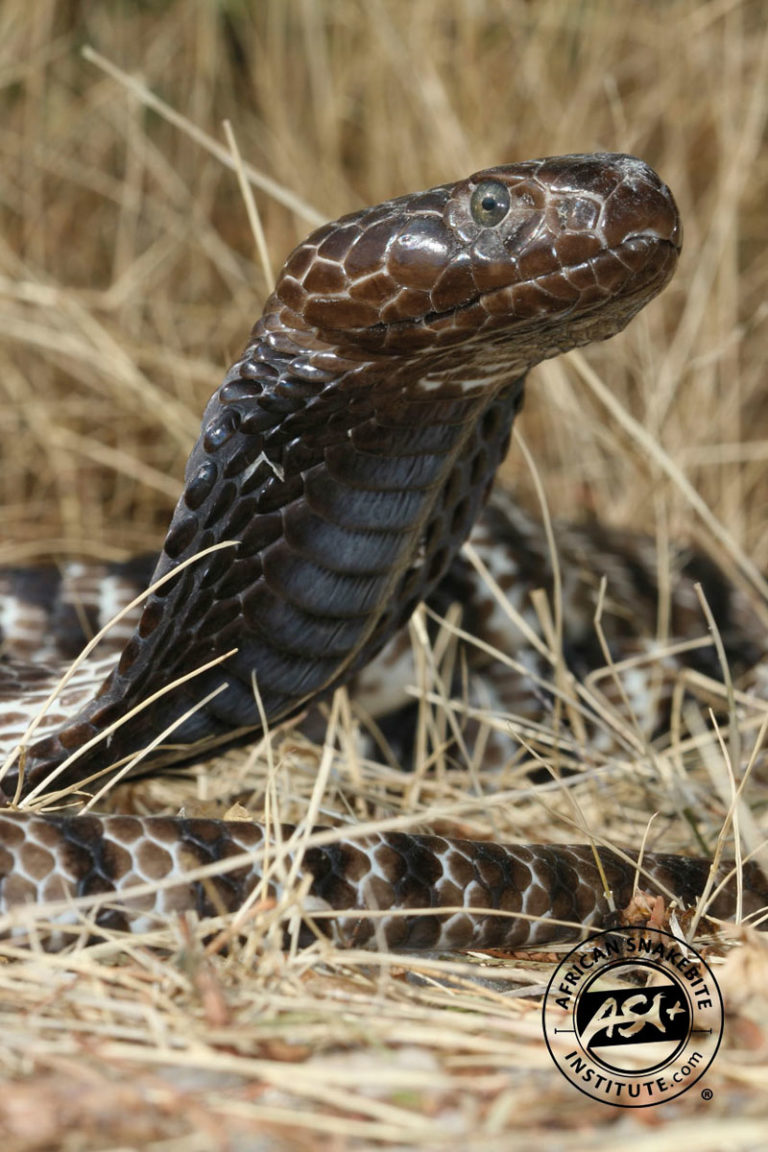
(341,465)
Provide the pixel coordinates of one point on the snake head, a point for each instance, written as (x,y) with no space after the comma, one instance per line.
(567,248)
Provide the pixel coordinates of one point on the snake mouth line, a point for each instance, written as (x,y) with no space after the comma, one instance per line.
(437,316)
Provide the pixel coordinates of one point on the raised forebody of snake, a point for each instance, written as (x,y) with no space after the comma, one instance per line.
(340,467)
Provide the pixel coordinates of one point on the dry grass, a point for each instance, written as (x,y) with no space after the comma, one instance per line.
(129,278)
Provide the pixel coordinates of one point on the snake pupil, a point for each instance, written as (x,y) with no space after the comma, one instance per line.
(489,203)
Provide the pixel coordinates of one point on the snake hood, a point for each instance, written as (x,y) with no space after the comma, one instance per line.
(347,454)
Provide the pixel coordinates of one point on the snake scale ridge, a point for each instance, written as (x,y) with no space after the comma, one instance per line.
(340,467)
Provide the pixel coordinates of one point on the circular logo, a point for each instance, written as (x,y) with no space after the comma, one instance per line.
(633,1017)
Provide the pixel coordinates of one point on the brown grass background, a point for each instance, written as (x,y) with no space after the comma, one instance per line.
(129,278)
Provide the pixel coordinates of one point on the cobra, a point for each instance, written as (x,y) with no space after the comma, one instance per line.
(340,467)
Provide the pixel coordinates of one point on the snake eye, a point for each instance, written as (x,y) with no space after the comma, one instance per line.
(490,203)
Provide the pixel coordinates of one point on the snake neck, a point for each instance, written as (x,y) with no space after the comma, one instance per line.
(338,491)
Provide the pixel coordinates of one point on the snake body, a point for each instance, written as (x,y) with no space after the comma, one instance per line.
(341,465)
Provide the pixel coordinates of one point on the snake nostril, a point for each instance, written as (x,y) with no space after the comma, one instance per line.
(650,214)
